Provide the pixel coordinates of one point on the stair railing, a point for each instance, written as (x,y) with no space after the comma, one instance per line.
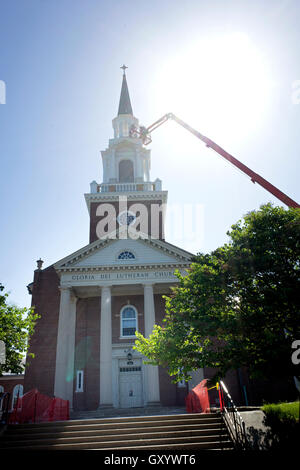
(232,418)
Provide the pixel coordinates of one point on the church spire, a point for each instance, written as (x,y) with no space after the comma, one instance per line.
(124,105)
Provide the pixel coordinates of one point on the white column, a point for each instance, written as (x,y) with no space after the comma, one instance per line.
(105,348)
(151,371)
(65,348)
(139,172)
(112,166)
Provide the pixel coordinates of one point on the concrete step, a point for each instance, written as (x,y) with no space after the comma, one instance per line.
(224,445)
(111,419)
(109,423)
(142,432)
(208,428)
(204,441)
(202,434)
(125,412)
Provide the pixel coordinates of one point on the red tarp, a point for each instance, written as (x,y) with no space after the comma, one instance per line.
(34,407)
(197,401)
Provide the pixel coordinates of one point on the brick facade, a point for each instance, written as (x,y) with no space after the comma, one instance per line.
(40,370)
(94,219)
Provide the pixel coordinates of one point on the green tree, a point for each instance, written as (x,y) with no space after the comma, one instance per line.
(16,327)
(237,306)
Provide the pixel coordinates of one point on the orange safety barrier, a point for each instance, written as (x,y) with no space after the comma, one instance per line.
(197,400)
(35,407)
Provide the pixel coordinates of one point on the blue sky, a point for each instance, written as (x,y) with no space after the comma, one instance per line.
(60,61)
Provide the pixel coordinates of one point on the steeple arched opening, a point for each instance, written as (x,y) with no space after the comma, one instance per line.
(126,171)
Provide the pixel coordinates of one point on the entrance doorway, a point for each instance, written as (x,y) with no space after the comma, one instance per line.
(131,383)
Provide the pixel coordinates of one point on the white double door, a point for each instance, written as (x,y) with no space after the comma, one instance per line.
(130,383)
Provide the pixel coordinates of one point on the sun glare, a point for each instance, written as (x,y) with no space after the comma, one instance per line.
(220,83)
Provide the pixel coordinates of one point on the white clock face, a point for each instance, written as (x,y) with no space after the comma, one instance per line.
(126,218)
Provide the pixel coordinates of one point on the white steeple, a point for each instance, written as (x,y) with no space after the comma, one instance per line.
(126,160)
(125,119)
(126,176)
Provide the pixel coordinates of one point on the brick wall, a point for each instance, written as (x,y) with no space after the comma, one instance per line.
(170,394)
(94,219)
(40,370)
(87,351)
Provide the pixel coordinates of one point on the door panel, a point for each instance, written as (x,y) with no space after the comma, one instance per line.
(131,390)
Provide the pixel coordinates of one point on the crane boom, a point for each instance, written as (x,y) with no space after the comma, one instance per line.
(255,177)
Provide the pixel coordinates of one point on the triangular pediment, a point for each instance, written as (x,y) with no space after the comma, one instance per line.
(118,253)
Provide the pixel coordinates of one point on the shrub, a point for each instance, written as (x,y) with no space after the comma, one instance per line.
(283,422)
(283,411)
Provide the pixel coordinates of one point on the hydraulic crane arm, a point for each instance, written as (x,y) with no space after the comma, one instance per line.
(144,133)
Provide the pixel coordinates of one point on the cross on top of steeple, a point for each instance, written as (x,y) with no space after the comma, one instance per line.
(124,68)
(124,105)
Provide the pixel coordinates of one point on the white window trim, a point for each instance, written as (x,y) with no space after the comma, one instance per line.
(15,394)
(181,383)
(136,318)
(79,386)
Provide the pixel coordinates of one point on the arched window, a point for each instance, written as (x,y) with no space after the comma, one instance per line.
(18,391)
(128,321)
(126,174)
(126,255)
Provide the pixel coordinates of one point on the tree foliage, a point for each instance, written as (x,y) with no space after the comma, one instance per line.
(16,327)
(238,305)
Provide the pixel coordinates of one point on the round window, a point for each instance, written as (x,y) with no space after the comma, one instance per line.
(126,218)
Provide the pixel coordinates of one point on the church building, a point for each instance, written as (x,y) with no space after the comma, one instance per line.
(93,301)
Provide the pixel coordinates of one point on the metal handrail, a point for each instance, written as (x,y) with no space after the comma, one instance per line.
(233,419)
(4,400)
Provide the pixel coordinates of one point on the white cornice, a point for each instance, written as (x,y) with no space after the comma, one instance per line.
(81,253)
(131,196)
(67,263)
(126,141)
(114,196)
(123,268)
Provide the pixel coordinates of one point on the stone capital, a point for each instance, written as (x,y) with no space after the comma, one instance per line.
(63,288)
(148,284)
(105,290)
